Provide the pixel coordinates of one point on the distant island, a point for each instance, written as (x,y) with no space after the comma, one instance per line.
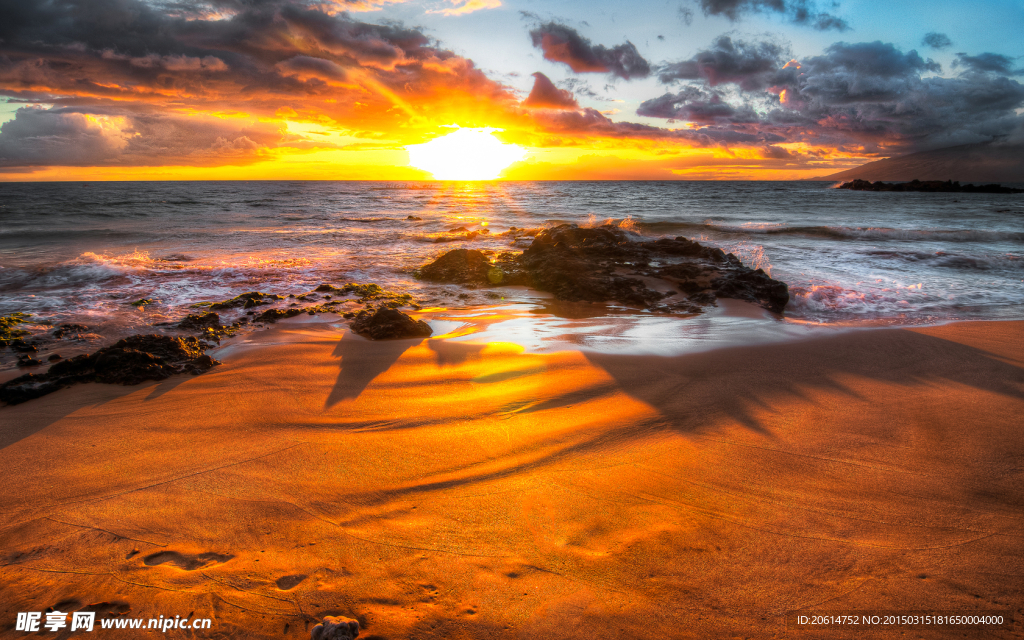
(933,186)
(985,163)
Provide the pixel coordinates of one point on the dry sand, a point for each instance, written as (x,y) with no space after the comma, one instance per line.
(437,489)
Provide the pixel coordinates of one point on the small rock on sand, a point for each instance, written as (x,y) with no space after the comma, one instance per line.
(389,323)
(335,628)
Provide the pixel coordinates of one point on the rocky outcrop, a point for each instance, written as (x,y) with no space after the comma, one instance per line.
(273,315)
(9,333)
(70,331)
(246,301)
(387,323)
(932,186)
(460,266)
(603,264)
(201,322)
(335,628)
(130,361)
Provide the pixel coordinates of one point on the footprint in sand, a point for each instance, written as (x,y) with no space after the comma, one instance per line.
(188,563)
(289,582)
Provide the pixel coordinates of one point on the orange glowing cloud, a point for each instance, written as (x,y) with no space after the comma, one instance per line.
(290,89)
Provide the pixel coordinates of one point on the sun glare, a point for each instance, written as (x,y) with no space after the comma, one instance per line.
(466,154)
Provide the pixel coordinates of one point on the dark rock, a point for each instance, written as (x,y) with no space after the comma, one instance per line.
(28,361)
(246,301)
(141,303)
(459,266)
(201,322)
(273,315)
(54,357)
(335,628)
(70,330)
(130,361)
(203,363)
(364,293)
(596,265)
(389,323)
(21,346)
(753,286)
(413,218)
(931,186)
(8,332)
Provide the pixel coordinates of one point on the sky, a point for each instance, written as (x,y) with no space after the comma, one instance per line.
(339,89)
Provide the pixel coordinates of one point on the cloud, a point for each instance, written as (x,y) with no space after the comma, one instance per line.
(545,95)
(987,62)
(309,67)
(468,6)
(871,95)
(561,43)
(695,105)
(256,57)
(750,65)
(802,12)
(79,137)
(936,40)
(586,123)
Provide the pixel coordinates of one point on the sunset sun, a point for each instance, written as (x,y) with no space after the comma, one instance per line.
(465,154)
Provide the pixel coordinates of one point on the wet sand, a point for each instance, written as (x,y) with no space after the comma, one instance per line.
(447,489)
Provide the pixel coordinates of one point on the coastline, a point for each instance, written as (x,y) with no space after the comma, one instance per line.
(453,489)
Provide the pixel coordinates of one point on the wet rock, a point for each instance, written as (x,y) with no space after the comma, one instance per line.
(8,328)
(141,303)
(459,266)
(363,293)
(335,628)
(69,330)
(54,357)
(129,361)
(752,286)
(604,264)
(246,301)
(273,315)
(28,361)
(581,264)
(21,346)
(413,218)
(389,323)
(201,322)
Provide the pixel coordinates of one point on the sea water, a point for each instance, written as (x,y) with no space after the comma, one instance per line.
(82,252)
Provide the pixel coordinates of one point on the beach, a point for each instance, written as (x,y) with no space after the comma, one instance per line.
(455,487)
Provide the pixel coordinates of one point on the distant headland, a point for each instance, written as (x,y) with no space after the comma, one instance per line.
(978,163)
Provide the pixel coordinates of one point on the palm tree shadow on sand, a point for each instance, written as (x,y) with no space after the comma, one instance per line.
(361,362)
(692,390)
(695,392)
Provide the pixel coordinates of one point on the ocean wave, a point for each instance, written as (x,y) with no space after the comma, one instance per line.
(946,260)
(841,232)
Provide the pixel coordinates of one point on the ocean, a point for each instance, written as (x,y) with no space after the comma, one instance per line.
(82,252)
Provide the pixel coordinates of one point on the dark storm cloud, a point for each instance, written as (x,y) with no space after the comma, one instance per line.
(802,12)
(987,62)
(868,94)
(561,43)
(545,95)
(936,40)
(592,123)
(750,65)
(877,58)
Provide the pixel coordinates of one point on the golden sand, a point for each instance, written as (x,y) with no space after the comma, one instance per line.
(438,489)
